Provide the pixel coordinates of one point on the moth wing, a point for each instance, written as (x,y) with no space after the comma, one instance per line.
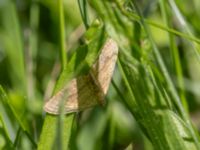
(79,95)
(105,65)
(89,90)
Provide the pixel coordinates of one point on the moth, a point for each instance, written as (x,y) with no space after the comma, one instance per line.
(87,90)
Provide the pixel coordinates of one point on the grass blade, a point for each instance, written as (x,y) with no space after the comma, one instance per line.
(79,63)
(133,69)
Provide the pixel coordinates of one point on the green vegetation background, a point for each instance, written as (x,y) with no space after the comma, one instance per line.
(154,98)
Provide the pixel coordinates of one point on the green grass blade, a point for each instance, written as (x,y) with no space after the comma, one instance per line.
(5,131)
(156,116)
(13,42)
(49,132)
(62,43)
(184,26)
(175,56)
(7,111)
(135,17)
(32,50)
(139,84)
(169,82)
(83,10)
(80,62)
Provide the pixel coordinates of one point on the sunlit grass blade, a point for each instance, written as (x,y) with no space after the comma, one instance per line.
(176,62)
(51,53)
(169,81)
(184,26)
(133,73)
(135,17)
(147,113)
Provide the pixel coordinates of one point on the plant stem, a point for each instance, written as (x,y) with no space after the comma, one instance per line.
(49,136)
(175,56)
(32,50)
(62,33)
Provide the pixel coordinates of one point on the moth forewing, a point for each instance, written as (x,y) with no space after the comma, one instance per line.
(87,90)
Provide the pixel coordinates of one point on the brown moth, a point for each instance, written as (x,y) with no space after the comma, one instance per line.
(87,90)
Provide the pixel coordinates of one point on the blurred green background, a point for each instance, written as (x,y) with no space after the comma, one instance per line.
(30,66)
